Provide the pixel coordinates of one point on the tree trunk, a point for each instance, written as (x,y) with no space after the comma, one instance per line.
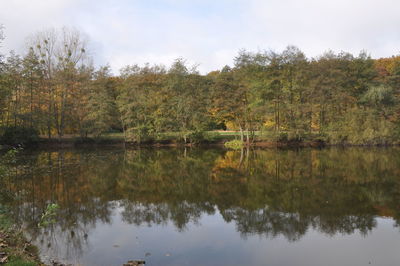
(241,133)
(247,136)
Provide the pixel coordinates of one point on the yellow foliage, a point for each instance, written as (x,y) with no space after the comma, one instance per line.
(315,126)
(385,66)
(269,124)
(230,125)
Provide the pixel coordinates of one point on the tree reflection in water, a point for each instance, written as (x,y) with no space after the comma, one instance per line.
(263,192)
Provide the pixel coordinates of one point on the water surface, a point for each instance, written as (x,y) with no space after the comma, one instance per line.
(212,206)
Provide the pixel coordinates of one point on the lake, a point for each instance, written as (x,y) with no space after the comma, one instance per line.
(196,206)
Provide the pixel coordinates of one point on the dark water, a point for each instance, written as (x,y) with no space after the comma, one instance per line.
(212,206)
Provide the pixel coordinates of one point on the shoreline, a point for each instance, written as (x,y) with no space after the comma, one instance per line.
(91,143)
(15,249)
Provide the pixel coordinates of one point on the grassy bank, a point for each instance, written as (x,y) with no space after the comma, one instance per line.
(257,138)
(15,250)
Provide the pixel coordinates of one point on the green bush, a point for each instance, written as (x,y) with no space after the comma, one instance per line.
(282,137)
(19,135)
(49,215)
(139,134)
(211,136)
(196,137)
(234,144)
(362,127)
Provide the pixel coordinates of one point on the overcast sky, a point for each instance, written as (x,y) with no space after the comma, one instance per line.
(208,32)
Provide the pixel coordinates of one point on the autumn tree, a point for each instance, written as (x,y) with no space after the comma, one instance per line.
(102,112)
(66,70)
(229,100)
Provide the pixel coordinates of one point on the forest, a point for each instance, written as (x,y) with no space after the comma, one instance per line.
(53,90)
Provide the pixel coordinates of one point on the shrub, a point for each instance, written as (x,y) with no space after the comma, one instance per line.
(196,137)
(19,135)
(362,127)
(234,144)
(49,215)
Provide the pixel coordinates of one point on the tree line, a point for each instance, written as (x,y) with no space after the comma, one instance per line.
(54,90)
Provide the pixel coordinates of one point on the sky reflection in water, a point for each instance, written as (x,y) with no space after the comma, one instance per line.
(214,207)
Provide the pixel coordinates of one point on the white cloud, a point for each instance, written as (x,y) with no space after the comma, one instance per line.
(21,18)
(316,25)
(209,32)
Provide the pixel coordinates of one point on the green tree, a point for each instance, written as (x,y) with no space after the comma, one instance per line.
(102,111)
(139,113)
(229,100)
